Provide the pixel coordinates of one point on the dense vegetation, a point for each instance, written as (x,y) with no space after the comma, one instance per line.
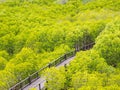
(35,32)
(95,69)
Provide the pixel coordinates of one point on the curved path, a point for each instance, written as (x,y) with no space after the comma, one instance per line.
(38,84)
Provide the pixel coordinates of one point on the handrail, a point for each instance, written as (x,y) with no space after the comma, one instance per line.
(33,77)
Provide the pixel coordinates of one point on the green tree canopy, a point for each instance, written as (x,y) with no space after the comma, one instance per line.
(108,43)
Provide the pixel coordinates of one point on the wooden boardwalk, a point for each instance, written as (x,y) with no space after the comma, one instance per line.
(35,80)
(38,84)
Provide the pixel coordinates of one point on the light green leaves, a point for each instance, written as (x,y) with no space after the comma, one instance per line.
(55,79)
(2,63)
(108,43)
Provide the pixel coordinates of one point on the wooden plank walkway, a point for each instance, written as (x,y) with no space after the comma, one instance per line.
(34,80)
(38,84)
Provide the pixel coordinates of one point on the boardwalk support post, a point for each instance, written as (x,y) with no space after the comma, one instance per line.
(40,87)
(21,86)
(65,56)
(29,80)
(49,65)
(37,75)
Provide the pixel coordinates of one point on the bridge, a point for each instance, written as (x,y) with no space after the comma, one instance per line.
(36,81)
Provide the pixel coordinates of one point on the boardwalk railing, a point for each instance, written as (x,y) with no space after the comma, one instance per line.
(35,76)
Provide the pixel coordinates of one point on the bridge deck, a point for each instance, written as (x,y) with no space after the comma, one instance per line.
(41,81)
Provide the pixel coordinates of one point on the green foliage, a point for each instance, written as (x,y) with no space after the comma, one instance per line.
(6,80)
(4,54)
(6,43)
(32,37)
(22,70)
(2,63)
(47,57)
(55,79)
(108,43)
(25,55)
(91,61)
(23,64)
(81,79)
(88,71)
(33,89)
